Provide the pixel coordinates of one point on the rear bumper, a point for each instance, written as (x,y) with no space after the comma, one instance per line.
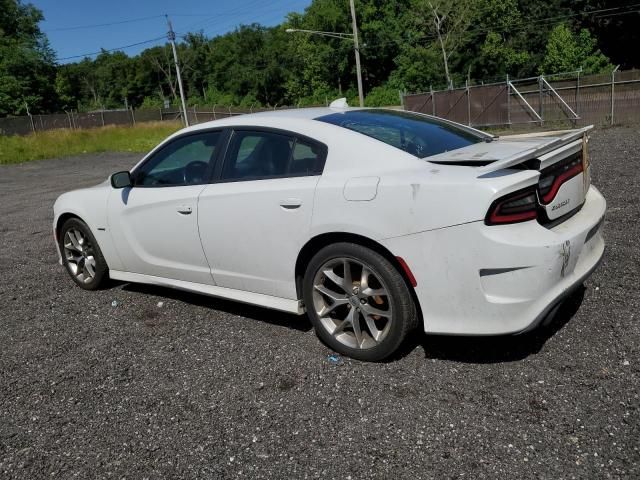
(475,279)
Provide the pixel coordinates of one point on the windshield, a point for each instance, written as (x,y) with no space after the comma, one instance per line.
(416,134)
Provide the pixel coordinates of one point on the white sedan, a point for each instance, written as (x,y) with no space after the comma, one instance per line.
(372,221)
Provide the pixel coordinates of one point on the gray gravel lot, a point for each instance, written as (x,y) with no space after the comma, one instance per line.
(203,388)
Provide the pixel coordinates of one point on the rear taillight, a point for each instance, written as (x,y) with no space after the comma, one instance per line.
(551,182)
(516,207)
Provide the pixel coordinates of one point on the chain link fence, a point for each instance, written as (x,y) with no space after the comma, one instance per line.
(78,120)
(569,98)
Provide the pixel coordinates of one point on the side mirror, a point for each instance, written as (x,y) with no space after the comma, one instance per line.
(121,180)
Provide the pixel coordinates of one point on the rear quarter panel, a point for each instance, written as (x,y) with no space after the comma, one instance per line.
(412,196)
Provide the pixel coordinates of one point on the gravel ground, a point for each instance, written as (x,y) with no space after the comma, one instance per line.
(203,388)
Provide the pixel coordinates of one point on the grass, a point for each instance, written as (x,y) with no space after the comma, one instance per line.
(64,143)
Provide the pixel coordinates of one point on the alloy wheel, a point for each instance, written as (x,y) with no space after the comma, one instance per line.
(352,303)
(78,254)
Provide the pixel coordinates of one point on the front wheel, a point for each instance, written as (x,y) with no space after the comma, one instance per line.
(358,302)
(81,255)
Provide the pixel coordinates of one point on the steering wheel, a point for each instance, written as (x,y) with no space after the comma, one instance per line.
(195,172)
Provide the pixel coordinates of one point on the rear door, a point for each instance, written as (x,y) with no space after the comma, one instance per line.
(256,215)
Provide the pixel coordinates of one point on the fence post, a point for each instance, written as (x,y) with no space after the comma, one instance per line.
(578,93)
(41,124)
(540,110)
(433,101)
(195,113)
(69,118)
(468,103)
(613,84)
(133,116)
(161,116)
(508,101)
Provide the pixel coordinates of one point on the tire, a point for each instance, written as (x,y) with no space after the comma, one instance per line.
(81,255)
(371,321)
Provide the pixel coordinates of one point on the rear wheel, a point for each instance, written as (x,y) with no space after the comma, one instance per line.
(81,255)
(358,302)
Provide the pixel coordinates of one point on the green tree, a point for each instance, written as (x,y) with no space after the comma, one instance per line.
(27,73)
(567,51)
(405,44)
(447,23)
(382,96)
(501,47)
(322,66)
(418,69)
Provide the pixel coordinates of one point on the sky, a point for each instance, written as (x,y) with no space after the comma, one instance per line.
(135,21)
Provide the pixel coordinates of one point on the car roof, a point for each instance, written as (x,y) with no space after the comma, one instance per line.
(284,114)
(302,115)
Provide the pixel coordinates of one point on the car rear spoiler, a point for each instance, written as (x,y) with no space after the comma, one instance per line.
(567,137)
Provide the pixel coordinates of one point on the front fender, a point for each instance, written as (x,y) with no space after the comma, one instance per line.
(90,206)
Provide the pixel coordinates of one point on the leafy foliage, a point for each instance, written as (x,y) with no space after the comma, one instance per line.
(409,45)
(26,62)
(568,51)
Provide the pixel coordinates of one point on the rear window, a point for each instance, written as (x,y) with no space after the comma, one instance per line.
(416,134)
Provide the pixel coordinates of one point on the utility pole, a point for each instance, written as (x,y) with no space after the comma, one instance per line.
(357,49)
(172,38)
(33,127)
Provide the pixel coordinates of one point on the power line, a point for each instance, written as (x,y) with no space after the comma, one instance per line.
(144,42)
(239,13)
(617,14)
(152,17)
(98,25)
(213,35)
(212,16)
(523,25)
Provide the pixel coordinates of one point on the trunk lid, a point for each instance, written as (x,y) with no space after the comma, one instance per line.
(561,157)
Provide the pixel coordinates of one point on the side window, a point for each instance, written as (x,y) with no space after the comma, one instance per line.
(184,161)
(257,155)
(307,158)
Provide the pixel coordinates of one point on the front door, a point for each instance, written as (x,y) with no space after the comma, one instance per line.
(154,224)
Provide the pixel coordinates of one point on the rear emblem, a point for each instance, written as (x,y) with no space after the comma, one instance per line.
(560,205)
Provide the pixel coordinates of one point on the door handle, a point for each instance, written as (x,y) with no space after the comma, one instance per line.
(185,210)
(291,203)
